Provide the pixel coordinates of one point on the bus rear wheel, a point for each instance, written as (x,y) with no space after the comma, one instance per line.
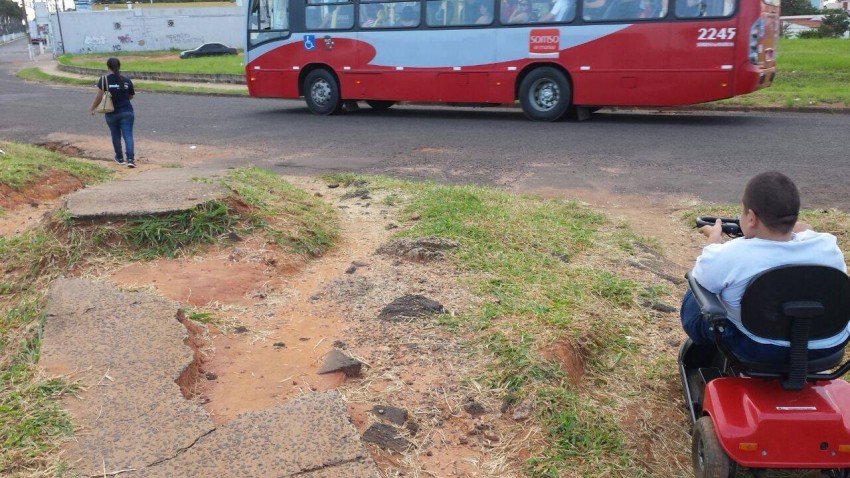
(321,92)
(545,94)
(380,105)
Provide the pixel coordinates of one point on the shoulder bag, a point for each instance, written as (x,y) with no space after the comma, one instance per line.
(105,105)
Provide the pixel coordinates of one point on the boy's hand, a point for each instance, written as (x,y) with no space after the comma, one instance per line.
(713,233)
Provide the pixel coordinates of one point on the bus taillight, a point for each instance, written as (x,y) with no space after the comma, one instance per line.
(756,34)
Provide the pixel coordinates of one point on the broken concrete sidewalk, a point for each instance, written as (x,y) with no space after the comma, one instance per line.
(128,352)
(157,191)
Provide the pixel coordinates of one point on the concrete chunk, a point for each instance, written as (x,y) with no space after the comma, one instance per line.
(143,194)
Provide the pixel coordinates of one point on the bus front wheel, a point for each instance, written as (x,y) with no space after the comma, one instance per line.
(321,92)
(545,94)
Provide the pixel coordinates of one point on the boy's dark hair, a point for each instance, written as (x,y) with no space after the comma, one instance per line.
(775,200)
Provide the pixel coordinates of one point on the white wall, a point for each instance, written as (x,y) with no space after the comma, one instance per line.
(147,29)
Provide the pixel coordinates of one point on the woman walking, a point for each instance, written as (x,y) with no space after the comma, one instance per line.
(120,121)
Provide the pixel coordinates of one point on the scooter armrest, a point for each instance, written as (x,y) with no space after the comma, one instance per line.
(710,306)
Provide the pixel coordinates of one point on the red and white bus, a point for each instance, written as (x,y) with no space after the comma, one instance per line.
(554,56)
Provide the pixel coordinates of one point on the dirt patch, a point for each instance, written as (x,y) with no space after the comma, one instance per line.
(570,356)
(22,209)
(189,377)
(64,148)
(151,152)
(243,275)
(50,186)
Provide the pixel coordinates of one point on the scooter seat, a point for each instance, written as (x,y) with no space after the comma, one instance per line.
(815,365)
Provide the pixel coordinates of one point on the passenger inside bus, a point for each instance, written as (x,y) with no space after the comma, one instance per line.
(330,17)
(409,17)
(485,14)
(562,10)
(523,13)
(373,16)
(507,9)
(446,12)
(594,9)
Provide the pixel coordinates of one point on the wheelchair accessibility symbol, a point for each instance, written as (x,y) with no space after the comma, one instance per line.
(309,42)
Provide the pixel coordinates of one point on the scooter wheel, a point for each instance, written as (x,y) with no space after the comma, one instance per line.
(710,461)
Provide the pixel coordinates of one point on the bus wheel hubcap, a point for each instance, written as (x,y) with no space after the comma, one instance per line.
(321,92)
(546,94)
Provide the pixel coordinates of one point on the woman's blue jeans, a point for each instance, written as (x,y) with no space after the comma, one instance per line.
(121,126)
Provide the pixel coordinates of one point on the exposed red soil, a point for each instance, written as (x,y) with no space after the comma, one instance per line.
(50,186)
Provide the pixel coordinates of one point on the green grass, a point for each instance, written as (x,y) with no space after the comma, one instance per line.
(539,284)
(809,72)
(296,220)
(23,165)
(35,74)
(161,61)
(32,422)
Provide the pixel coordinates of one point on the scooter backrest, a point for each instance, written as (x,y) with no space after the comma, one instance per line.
(776,297)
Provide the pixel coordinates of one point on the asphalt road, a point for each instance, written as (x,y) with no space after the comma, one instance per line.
(708,155)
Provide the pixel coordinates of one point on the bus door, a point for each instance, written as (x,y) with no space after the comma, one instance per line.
(462,54)
(703,53)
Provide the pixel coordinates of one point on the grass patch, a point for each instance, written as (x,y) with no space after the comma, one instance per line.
(32,423)
(547,272)
(292,218)
(23,165)
(162,61)
(35,74)
(809,72)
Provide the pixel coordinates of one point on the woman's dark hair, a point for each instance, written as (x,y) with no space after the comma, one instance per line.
(114,65)
(775,200)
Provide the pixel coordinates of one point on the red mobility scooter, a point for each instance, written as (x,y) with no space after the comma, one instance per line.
(764,415)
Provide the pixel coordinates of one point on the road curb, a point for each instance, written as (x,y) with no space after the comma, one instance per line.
(158,75)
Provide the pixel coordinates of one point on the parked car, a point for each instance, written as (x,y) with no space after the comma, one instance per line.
(209,49)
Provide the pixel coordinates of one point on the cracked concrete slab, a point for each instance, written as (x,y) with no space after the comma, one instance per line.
(308,436)
(128,350)
(157,191)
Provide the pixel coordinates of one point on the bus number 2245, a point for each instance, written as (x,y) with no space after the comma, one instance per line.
(716,33)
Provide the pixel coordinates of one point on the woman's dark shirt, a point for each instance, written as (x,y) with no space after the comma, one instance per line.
(120,98)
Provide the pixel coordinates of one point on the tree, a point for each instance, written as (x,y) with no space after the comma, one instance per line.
(797,7)
(9,8)
(834,23)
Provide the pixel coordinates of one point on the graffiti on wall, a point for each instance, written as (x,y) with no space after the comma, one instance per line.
(124,39)
(181,38)
(94,40)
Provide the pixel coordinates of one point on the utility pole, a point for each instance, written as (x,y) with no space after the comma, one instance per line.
(59,22)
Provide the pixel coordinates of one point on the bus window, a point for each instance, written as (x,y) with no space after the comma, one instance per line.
(269,19)
(623,10)
(389,14)
(538,11)
(324,15)
(459,12)
(703,8)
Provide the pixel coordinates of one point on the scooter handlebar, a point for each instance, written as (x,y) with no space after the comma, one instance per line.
(731,227)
